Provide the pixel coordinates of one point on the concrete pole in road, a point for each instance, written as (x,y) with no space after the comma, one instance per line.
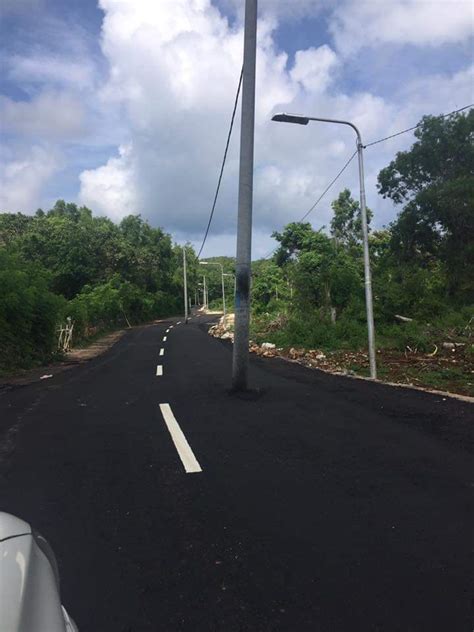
(240,355)
(304,120)
(185,286)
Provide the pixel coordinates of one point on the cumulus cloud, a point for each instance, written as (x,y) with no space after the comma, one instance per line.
(174,68)
(49,115)
(314,68)
(159,116)
(51,69)
(110,189)
(24,176)
(418,22)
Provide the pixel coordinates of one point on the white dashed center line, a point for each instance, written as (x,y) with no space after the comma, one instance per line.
(179,322)
(186,455)
(159,369)
(162,352)
(164,338)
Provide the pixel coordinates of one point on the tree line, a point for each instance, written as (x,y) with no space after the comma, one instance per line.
(67,262)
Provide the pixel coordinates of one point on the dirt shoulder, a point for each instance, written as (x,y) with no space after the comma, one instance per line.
(70,359)
(448,372)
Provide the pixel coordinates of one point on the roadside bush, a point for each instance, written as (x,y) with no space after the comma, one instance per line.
(29,314)
(116,303)
(311,331)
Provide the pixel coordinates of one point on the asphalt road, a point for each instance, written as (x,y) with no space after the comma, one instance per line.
(323,503)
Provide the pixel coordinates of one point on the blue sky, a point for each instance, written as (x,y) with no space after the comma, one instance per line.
(125,107)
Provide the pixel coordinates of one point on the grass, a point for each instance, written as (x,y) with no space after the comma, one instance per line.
(408,353)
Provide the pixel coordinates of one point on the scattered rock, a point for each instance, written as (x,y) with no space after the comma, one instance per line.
(268,345)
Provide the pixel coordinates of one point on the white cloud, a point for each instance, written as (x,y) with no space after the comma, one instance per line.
(110,189)
(50,115)
(42,68)
(174,70)
(314,68)
(417,22)
(23,178)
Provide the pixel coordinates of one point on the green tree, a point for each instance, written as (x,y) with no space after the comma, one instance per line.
(346,224)
(435,182)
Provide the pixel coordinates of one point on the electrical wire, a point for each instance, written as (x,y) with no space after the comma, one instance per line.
(410,129)
(375,142)
(328,187)
(321,196)
(223,163)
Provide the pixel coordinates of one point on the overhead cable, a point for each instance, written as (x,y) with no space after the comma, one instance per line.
(410,129)
(223,163)
(321,196)
(375,142)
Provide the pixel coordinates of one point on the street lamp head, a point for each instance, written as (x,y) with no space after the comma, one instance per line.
(290,118)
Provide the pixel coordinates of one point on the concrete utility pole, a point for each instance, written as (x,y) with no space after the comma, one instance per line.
(240,358)
(185,286)
(304,120)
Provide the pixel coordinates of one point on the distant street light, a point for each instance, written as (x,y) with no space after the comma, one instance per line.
(185,279)
(229,274)
(215,263)
(304,120)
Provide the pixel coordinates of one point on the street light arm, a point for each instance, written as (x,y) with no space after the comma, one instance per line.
(303,120)
(325,120)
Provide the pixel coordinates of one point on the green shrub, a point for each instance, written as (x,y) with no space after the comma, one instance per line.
(29,314)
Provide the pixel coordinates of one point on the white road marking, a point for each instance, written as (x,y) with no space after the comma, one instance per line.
(186,455)
(159,369)
(164,338)
(179,322)
(171,326)
(162,352)
(166,331)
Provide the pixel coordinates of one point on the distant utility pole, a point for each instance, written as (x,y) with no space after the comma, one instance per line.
(185,286)
(240,359)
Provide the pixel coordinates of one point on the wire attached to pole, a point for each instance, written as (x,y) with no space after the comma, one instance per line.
(223,163)
(321,196)
(410,129)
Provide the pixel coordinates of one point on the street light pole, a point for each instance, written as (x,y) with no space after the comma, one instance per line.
(229,274)
(304,120)
(185,287)
(205,291)
(240,353)
(216,263)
